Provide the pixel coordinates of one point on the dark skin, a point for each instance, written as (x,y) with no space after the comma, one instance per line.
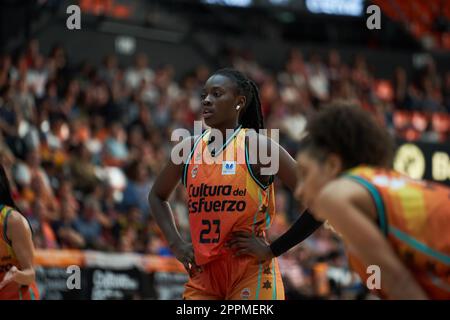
(222,105)
(19,233)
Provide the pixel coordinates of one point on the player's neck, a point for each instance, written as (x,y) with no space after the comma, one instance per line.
(229,126)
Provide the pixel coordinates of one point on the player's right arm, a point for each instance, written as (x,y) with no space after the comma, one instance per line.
(166,182)
(19,234)
(342,203)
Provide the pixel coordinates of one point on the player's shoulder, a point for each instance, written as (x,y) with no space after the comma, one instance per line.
(341,194)
(15,220)
(259,139)
(342,190)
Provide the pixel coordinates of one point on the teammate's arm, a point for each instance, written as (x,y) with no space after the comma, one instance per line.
(306,224)
(19,234)
(158,198)
(337,204)
(303,227)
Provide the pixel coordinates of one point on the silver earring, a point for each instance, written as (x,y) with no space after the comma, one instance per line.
(238,107)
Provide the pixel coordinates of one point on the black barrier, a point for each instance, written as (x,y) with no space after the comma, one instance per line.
(106,284)
(422,160)
(110,284)
(52,285)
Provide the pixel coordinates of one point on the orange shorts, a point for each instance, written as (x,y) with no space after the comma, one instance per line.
(13,292)
(236,278)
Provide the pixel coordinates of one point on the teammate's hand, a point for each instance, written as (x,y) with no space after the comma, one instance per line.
(247,244)
(184,252)
(9,276)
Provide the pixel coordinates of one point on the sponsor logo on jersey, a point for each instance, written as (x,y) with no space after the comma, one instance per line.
(194,171)
(245,294)
(228,167)
(200,198)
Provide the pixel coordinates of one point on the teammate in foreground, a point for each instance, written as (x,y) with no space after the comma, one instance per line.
(17,275)
(385,218)
(228,199)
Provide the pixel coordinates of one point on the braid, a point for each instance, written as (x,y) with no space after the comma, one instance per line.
(251,116)
(253,106)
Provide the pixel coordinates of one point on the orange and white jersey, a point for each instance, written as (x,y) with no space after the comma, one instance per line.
(224,195)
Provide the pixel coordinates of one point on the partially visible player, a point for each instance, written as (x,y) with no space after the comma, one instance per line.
(17,275)
(385,218)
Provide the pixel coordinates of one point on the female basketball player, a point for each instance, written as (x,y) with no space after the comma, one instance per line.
(17,276)
(399,226)
(228,197)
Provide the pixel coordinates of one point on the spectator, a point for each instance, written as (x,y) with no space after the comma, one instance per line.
(139,73)
(138,186)
(37,77)
(41,225)
(109,70)
(90,224)
(116,151)
(83,171)
(65,228)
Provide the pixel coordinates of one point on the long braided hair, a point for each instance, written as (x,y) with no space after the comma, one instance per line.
(251,116)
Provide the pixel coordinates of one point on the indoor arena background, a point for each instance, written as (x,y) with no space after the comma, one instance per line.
(86,117)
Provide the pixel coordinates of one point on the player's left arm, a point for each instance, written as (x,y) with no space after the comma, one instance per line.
(303,227)
(337,203)
(19,233)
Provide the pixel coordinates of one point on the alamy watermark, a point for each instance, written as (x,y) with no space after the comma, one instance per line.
(373,282)
(373,22)
(73,22)
(74,279)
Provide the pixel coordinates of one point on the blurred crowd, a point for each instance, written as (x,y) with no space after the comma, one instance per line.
(82,144)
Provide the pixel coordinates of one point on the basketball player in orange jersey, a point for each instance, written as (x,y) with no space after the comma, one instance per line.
(385,218)
(17,275)
(228,197)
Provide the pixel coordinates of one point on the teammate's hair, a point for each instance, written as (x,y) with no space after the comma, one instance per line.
(5,190)
(351,133)
(251,116)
